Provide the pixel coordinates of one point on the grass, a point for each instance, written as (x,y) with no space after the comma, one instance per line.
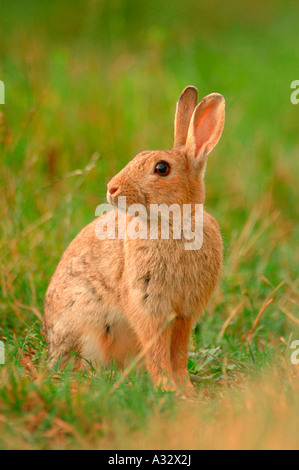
(89,93)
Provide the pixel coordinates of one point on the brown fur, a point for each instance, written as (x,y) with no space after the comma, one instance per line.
(108,299)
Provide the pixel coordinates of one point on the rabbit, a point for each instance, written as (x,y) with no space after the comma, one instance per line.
(110,300)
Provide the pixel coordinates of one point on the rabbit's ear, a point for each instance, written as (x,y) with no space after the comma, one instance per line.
(184,110)
(205,127)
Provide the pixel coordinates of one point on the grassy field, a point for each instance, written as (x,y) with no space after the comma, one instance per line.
(88,84)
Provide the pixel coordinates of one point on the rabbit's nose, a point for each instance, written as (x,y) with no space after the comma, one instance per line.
(113,189)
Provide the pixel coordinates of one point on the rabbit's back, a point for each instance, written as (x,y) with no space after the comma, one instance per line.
(83,301)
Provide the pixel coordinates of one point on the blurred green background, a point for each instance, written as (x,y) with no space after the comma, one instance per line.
(98,76)
(91,83)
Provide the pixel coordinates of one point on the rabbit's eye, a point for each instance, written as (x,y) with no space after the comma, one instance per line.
(162,168)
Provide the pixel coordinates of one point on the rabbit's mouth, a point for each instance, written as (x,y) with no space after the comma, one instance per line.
(113,192)
(112,200)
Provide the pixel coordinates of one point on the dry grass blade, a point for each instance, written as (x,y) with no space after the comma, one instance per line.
(244,235)
(30,368)
(287,297)
(31,309)
(267,302)
(60,428)
(250,235)
(289,315)
(29,229)
(229,319)
(90,166)
(32,227)
(257,320)
(260,232)
(79,172)
(29,118)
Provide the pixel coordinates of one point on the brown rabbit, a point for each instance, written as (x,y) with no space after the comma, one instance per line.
(110,299)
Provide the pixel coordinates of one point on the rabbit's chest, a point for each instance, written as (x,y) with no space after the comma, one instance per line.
(181,285)
(168,281)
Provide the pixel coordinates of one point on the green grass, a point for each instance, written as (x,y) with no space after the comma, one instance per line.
(88,85)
